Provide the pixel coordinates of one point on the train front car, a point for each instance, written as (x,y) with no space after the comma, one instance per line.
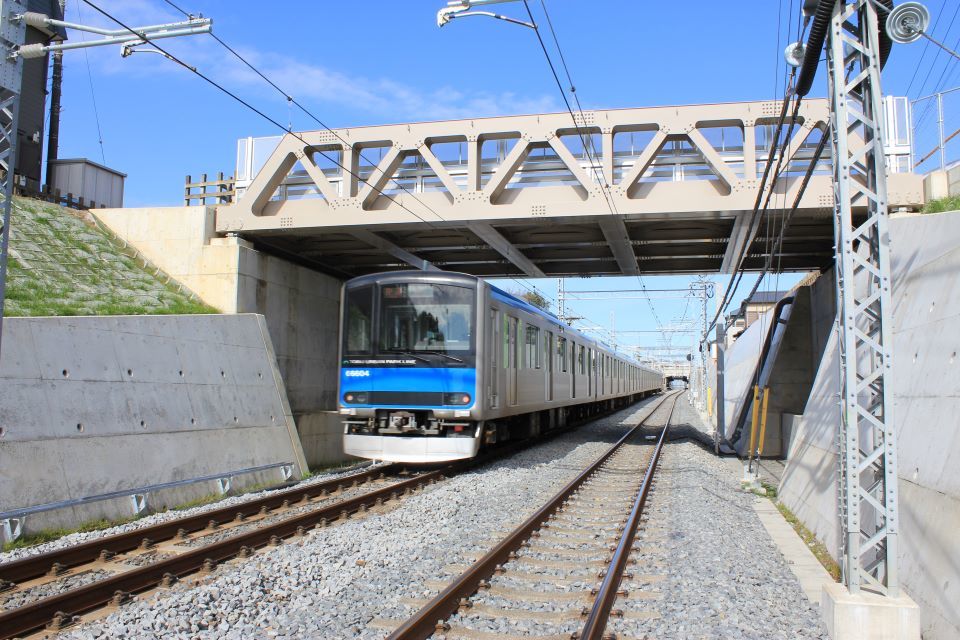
(408,374)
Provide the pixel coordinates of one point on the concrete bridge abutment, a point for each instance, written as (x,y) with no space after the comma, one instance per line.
(300,305)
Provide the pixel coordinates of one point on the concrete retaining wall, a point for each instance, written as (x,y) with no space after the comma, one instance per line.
(93,405)
(791,373)
(301,306)
(925,253)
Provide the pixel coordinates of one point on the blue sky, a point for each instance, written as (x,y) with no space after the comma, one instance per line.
(359,63)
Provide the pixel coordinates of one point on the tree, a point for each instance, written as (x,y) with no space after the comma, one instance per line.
(535,298)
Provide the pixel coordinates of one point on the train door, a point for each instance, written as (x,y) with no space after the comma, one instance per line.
(493,345)
(573,369)
(548,344)
(513,347)
(589,372)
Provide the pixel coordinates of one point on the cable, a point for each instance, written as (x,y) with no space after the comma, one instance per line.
(586,148)
(188,15)
(255,110)
(276,123)
(776,175)
(601,179)
(921,91)
(778,244)
(941,81)
(727,294)
(926,46)
(737,273)
(93,94)
(293,101)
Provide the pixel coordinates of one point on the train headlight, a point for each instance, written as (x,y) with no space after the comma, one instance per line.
(353,397)
(456,399)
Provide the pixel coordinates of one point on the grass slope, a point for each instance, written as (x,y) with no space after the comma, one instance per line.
(61,263)
(950,203)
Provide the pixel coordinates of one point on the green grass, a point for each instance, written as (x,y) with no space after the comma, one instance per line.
(49,535)
(62,263)
(331,468)
(950,203)
(817,547)
(769,489)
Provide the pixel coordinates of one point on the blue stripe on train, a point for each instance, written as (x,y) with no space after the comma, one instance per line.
(446,380)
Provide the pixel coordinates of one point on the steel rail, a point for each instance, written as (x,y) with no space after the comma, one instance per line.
(31,567)
(55,611)
(596,623)
(424,623)
(64,606)
(39,565)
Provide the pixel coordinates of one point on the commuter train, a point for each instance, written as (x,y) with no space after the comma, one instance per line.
(435,365)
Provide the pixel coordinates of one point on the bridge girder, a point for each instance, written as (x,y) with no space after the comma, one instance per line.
(661,191)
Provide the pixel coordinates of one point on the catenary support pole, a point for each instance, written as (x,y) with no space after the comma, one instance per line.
(11,75)
(868,449)
(721,413)
(53,132)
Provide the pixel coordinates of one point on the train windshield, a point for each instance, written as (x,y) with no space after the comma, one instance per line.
(358,323)
(419,317)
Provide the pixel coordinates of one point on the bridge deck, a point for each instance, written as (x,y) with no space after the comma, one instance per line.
(627,191)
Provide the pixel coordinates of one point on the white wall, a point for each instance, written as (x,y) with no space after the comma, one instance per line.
(925,252)
(301,306)
(93,405)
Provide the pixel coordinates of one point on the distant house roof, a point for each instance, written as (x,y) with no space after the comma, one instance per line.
(760,297)
(766,297)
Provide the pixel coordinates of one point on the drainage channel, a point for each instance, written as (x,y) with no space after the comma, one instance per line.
(559,573)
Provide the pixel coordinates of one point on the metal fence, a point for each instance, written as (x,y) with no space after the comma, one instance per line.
(936,130)
(217,191)
(56,197)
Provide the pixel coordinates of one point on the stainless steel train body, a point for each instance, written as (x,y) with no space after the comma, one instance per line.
(433,365)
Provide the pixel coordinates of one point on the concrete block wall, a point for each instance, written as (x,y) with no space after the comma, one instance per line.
(301,306)
(941,184)
(93,405)
(925,254)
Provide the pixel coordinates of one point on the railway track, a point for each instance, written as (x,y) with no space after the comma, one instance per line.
(109,570)
(50,591)
(559,574)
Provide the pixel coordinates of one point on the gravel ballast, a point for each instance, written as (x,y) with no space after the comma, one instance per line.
(72,539)
(722,576)
(706,566)
(333,582)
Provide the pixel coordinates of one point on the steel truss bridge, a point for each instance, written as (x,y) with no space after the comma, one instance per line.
(521,196)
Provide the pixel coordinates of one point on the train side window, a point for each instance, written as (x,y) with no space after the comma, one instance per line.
(562,353)
(582,359)
(545,355)
(506,341)
(532,347)
(547,348)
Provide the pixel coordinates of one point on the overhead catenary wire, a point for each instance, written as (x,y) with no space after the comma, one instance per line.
(748,243)
(933,65)
(291,100)
(254,109)
(778,243)
(187,15)
(579,127)
(741,255)
(93,93)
